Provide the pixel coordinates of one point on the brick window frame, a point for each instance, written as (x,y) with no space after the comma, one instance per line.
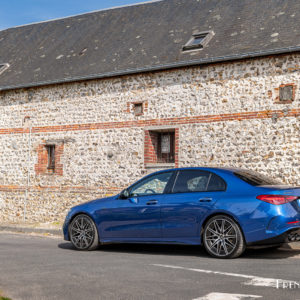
(43,166)
(131,107)
(152,155)
(138,109)
(293,86)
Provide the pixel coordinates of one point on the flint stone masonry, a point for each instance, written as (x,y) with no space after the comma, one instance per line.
(103,141)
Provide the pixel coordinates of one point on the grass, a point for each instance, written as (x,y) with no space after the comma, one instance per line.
(2,297)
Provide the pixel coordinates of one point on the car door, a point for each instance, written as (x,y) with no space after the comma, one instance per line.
(138,216)
(193,194)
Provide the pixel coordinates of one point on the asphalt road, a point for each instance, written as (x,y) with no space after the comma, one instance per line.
(34,267)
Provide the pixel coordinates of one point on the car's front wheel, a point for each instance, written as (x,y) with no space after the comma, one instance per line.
(223,238)
(83,233)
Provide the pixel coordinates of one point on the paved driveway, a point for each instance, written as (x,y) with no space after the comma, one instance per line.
(33,267)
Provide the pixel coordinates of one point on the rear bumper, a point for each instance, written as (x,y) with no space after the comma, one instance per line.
(292,235)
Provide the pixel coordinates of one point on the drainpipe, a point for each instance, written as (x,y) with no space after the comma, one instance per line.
(27,124)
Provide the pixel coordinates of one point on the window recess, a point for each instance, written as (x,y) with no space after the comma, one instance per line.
(166,147)
(138,109)
(287,93)
(51,157)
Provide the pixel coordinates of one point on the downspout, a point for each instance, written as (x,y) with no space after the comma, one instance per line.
(27,120)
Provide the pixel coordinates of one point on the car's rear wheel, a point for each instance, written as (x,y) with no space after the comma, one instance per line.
(83,233)
(223,238)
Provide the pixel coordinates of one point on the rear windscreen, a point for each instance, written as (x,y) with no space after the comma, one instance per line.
(256,179)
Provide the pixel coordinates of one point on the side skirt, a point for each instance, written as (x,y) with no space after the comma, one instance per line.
(179,241)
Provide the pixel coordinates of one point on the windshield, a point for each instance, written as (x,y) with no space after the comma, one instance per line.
(256,179)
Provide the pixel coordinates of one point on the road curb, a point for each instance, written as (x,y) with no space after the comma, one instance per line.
(18,229)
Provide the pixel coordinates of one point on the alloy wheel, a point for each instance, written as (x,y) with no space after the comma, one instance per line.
(82,232)
(221,237)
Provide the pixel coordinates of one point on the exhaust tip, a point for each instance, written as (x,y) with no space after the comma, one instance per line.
(294,237)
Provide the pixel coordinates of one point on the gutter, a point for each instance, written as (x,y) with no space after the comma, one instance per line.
(196,62)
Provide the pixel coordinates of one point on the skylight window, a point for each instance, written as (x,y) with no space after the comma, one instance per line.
(198,41)
(3,67)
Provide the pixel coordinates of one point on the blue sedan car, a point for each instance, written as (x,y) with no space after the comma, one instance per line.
(222,208)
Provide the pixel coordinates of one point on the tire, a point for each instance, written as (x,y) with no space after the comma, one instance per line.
(223,238)
(83,233)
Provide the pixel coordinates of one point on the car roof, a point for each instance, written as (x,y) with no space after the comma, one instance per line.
(211,169)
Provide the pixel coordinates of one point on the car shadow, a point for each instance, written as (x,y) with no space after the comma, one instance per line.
(187,250)
(153,249)
(66,246)
(269,253)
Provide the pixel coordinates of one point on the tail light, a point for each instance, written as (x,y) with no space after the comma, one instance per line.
(277,199)
(293,222)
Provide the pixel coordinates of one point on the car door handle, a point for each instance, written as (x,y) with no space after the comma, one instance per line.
(152,202)
(205,200)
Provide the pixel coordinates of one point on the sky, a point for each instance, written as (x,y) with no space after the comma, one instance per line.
(20,12)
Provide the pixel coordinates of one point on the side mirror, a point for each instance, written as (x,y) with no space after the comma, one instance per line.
(124,194)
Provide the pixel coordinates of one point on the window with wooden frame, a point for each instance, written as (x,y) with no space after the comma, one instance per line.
(287,93)
(138,109)
(166,147)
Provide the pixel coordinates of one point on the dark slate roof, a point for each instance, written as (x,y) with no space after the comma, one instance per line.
(145,37)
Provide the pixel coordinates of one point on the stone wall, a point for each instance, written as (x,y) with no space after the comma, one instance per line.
(224,115)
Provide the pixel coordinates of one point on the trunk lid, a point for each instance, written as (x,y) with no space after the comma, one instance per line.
(281,190)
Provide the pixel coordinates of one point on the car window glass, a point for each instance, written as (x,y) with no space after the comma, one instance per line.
(216,183)
(255,178)
(155,184)
(191,181)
